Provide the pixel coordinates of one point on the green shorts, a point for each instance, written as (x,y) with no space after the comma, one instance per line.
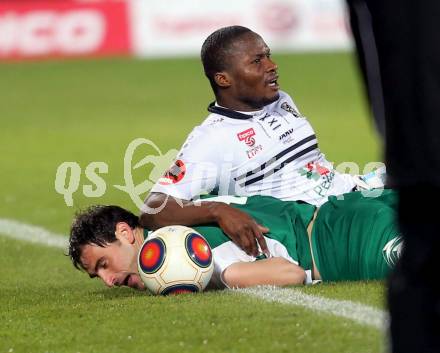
(355,236)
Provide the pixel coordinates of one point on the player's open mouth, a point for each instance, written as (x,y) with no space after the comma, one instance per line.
(273,83)
(131,281)
(126,281)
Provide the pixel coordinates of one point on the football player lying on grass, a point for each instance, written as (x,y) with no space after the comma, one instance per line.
(350,237)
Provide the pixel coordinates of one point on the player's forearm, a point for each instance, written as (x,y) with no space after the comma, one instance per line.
(274,271)
(162,210)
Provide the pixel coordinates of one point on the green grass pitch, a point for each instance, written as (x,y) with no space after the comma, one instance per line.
(90,110)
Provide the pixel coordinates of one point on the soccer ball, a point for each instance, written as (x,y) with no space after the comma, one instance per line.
(174,260)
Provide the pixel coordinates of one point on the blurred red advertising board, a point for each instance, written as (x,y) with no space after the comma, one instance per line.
(41,29)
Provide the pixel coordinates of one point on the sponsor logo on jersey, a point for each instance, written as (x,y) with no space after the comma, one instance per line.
(325,185)
(392,250)
(174,174)
(247,137)
(313,171)
(286,134)
(288,108)
(317,172)
(254,151)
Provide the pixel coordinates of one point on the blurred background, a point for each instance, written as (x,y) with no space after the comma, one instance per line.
(154,28)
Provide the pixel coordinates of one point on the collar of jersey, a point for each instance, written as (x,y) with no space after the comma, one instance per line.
(213,108)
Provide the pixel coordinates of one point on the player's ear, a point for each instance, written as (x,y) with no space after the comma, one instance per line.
(124,233)
(222,79)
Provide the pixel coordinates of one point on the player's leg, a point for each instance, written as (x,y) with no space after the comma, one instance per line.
(409,72)
(413,285)
(356,237)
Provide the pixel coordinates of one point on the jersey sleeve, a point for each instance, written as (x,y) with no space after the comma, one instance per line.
(195,169)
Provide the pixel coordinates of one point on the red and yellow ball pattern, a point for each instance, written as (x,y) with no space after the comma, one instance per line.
(198,249)
(180,289)
(152,255)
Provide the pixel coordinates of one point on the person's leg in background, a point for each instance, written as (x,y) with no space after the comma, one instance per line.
(398,45)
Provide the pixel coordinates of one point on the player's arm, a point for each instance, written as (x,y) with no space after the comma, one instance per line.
(238,225)
(273,271)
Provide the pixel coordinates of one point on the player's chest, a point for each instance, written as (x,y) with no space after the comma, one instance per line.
(266,136)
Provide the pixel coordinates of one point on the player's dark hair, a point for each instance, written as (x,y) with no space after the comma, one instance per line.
(215,48)
(96,225)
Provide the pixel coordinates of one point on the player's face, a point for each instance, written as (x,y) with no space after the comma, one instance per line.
(115,264)
(253,73)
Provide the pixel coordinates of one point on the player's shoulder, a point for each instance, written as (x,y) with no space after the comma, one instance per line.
(212,122)
(207,125)
(199,133)
(217,127)
(203,136)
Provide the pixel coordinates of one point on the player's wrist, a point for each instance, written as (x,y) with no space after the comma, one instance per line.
(216,211)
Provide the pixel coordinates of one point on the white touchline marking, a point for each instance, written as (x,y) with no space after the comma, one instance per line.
(360,313)
(32,234)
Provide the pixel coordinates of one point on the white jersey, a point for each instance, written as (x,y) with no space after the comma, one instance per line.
(271,152)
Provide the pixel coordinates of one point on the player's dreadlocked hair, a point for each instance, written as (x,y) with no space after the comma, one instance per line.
(214,50)
(96,225)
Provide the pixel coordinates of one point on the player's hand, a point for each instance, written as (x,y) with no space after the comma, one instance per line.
(242,229)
